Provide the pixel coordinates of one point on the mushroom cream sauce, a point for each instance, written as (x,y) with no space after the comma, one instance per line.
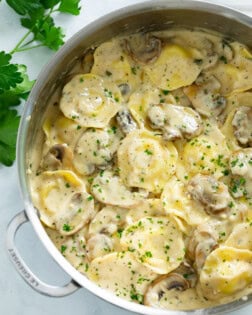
(145,180)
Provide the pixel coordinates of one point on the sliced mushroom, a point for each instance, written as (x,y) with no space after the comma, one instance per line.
(241,168)
(176,122)
(212,194)
(188,272)
(242,124)
(108,188)
(144,48)
(201,244)
(98,245)
(59,156)
(126,121)
(205,96)
(181,279)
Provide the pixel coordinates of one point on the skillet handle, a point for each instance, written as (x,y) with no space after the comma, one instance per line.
(24,270)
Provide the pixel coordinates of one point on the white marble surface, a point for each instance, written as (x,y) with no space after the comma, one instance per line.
(16,297)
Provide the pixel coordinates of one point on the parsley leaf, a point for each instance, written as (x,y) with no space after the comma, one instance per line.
(48,4)
(26,85)
(14,81)
(50,35)
(45,31)
(24,7)
(9,74)
(13,96)
(9,121)
(8,99)
(70,6)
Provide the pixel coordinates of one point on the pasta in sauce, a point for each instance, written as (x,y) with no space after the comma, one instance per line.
(145,181)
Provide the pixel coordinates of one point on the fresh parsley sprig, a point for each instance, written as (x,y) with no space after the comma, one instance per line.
(37,17)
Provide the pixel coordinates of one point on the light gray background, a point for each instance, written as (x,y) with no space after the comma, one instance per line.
(16,297)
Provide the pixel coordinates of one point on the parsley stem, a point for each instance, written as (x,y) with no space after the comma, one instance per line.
(29,42)
(28,48)
(15,49)
(20,46)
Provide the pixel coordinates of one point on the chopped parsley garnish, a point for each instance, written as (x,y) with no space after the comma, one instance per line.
(113,130)
(234,162)
(119,233)
(165,92)
(135,296)
(225,172)
(223,59)
(108,93)
(67,228)
(86,267)
(237,185)
(148,254)
(134,70)
(148,152)
(63,248)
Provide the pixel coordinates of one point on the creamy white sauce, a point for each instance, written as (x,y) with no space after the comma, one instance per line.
(131,204)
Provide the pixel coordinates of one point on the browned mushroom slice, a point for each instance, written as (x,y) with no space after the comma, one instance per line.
(212,194)
(144,48)
(188,273)
(201,244)
(176,122)
(180,279)
(59,156)
(205,97)
(242,124)
(126,121)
